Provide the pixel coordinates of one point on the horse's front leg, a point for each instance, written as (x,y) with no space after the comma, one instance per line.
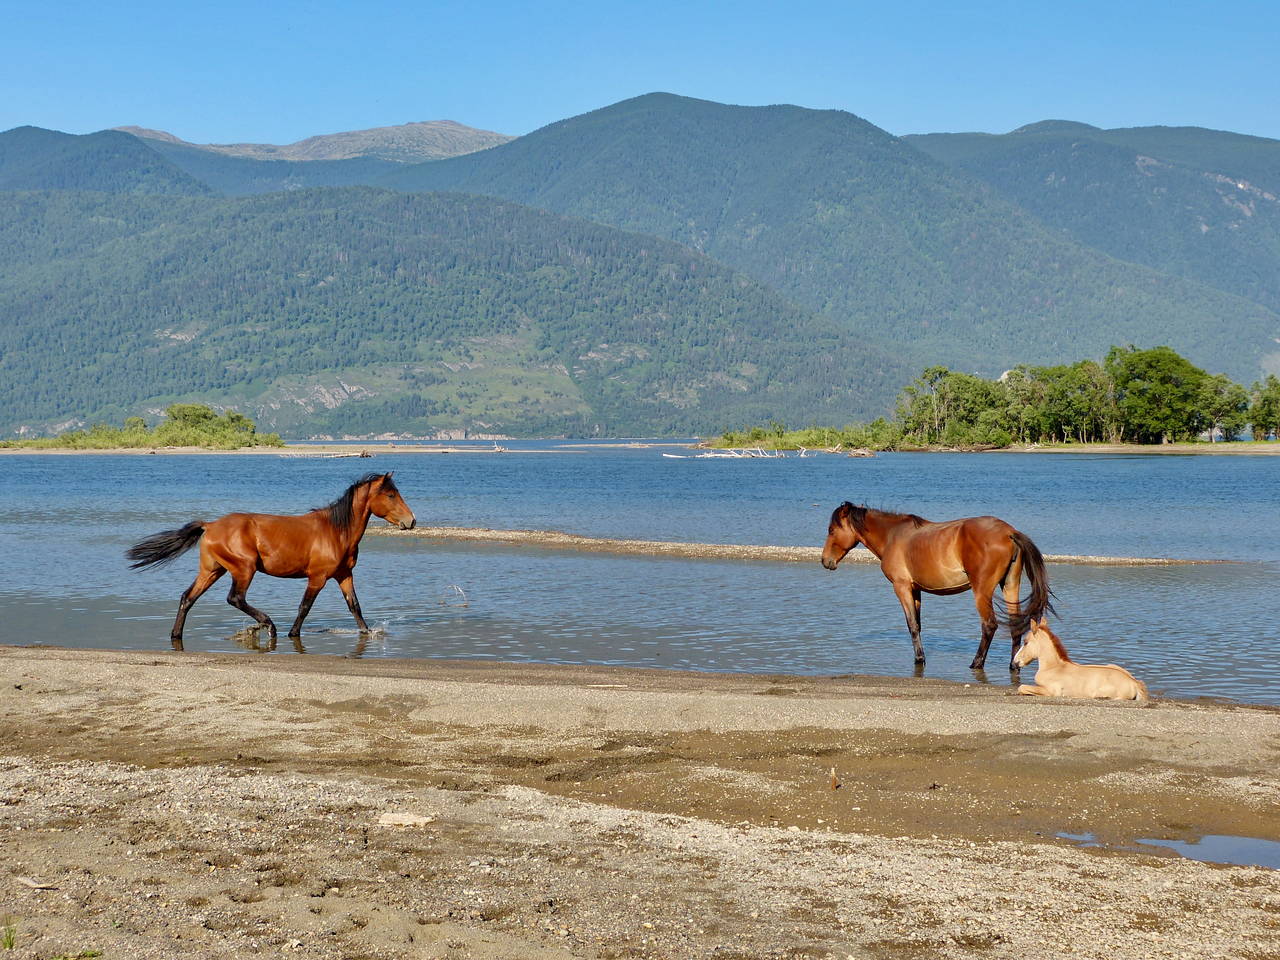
(909,596)
(347,584)
(314,586)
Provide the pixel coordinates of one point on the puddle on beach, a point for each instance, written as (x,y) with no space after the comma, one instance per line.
(1211,848)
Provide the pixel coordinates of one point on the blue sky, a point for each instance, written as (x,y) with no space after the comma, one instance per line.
(279,71)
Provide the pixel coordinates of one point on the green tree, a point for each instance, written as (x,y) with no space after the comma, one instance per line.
(943,406)
(1225,405)
(1264,408)
(1158,394)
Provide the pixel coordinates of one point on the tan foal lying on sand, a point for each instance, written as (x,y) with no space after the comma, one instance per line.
(1058,676)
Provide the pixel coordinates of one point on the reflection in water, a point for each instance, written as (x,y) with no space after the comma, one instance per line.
(250,638)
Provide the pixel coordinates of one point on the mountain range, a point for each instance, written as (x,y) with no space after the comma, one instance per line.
(405,143)
(660,265)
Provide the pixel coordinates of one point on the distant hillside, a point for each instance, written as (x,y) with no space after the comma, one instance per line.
(360,311)
(1200,204)
(35,159)
(241,176)
(846,219)
(406,143)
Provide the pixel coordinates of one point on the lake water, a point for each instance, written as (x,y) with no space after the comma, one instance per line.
(1204,630)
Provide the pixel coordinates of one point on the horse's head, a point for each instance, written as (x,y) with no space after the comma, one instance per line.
(1033,644)
(385,501)
(842,534)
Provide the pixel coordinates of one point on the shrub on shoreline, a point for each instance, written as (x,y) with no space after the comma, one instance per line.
(185,425)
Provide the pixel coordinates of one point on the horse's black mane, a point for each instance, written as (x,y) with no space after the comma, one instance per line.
(856,514)
(340,511)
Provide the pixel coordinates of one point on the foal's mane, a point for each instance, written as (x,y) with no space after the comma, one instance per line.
(856,515)
(341,510)
(1058,648)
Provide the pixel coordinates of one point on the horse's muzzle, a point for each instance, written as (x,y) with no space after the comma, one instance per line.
(409,524)
(829,564)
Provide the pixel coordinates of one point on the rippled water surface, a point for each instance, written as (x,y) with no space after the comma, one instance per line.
(1205,630)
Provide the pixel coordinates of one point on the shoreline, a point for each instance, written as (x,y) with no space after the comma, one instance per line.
(1233,448)
(214,805)
(566,446)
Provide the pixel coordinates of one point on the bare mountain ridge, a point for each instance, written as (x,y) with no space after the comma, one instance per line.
(406,143)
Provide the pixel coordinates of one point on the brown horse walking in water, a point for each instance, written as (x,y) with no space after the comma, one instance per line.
(978,553)
(318,546)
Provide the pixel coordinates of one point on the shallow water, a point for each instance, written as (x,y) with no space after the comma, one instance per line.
(1211,848)
(65,522)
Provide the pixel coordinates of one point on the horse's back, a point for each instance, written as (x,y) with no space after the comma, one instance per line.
(989,526)
(279,545)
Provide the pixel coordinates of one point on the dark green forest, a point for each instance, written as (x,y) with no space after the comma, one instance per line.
(446,312)
(847,220)
(110,161)
(1198,204)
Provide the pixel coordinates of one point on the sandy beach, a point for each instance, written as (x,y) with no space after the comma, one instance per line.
(162,805)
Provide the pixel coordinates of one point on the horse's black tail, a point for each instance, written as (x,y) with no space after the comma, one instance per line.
(1041,600)
(162,547)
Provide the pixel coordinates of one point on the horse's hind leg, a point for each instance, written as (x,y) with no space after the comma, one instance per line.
(986,611)
(909,597)
(1012,588)
(239,585)
(205,579)
(984,576)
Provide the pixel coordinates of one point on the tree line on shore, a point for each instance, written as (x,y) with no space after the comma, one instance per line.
(1132,396)
(184,425)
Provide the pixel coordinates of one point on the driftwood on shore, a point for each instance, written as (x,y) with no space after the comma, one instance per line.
(726,551)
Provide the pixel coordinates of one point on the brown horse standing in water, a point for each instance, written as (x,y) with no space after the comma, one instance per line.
(319,546)
(978,553)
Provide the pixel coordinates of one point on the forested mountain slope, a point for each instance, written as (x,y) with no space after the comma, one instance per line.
(358,311)
(235,176)
(846,219)
(32,158)
(1200,204)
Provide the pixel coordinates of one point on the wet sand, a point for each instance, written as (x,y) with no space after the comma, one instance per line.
(237,805)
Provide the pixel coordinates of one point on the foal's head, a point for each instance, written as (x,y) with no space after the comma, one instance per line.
(1040,642)
(843,533)
(385,501)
